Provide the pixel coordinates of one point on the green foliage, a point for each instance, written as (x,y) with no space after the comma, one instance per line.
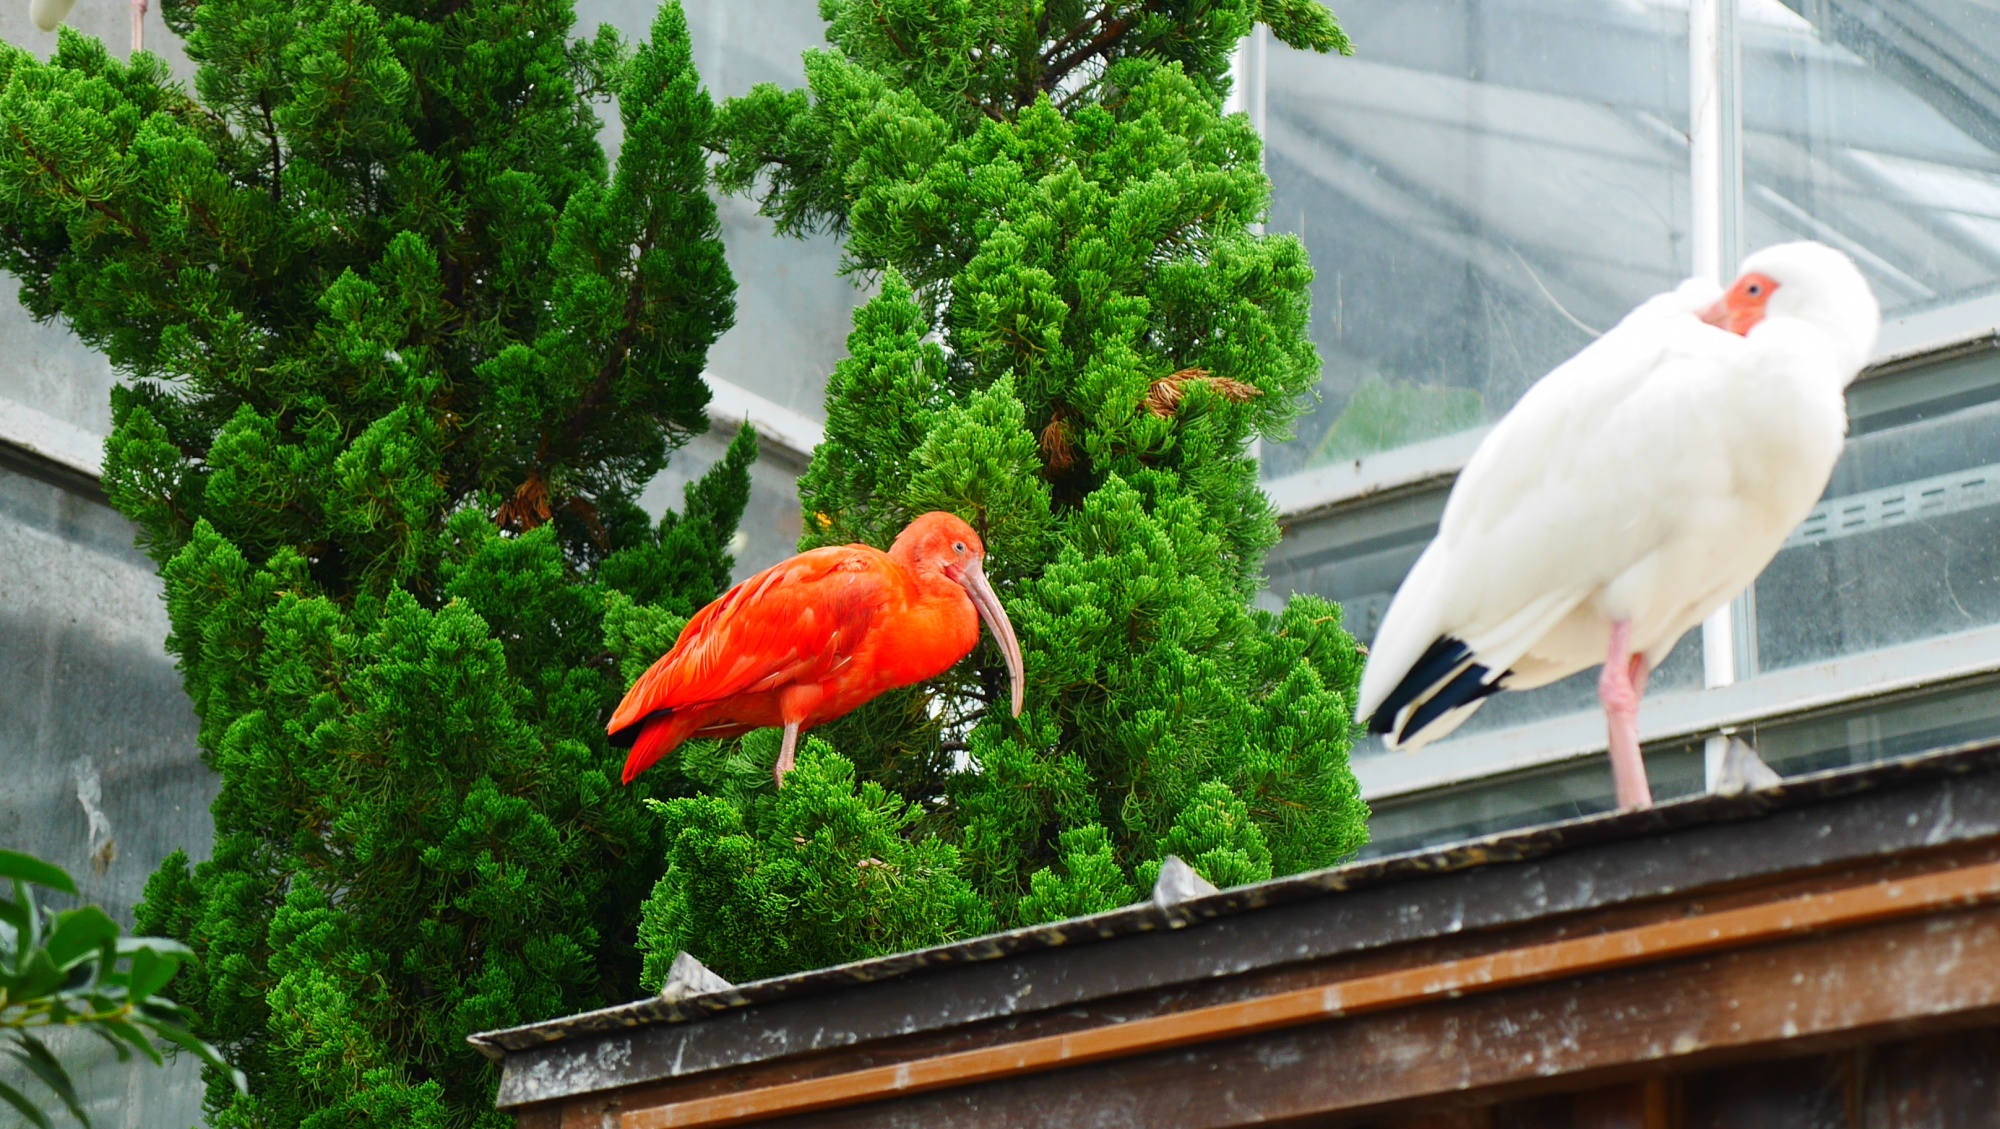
(820,873)
(401,352)
(73,969)
(1075,339)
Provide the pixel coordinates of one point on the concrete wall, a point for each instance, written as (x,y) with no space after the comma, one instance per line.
(98,767)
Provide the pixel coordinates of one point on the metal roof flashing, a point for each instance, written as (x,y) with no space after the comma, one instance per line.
(1821,819)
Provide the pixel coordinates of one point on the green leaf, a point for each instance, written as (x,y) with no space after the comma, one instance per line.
(79,933)
(28,868)
(14,914)
(164,946)
(41,977)
(28,1109)
(150,972)
(137,1038)
(181,1037)
(45,1067)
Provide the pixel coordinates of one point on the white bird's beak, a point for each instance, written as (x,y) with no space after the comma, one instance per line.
(995,617)
(49,14)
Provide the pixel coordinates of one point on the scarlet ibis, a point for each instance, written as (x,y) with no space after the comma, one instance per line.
(1632,492)
(810,639)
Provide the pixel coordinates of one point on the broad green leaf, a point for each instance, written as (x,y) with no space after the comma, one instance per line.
(78,934)
(41,977)
(137,1038)
(28,1109)
(182,1037)
(13,913)
(36,1056)
(150,972)
(165,946)
(28,868)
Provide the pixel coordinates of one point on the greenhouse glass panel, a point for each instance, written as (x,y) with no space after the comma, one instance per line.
(1483,188)
(1906,542)
(1876,127)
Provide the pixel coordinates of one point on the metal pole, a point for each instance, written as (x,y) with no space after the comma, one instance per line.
(1715,116)
(1247,95)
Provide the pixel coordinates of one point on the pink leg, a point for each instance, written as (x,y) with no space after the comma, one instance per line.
(1618,688)
(785,752)
(795,706)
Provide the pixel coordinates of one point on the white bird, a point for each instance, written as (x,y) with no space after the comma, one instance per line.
(49,15)
(1632,492)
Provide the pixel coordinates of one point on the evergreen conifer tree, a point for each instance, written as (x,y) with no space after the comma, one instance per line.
(401,352)
(1076,336)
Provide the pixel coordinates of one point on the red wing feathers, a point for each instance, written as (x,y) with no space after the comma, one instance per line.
(795,621)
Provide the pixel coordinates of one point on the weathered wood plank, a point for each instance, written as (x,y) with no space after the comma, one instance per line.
(943,996)
(1674,938)
(1802,995)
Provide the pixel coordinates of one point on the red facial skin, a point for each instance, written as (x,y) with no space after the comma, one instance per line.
(1742,308)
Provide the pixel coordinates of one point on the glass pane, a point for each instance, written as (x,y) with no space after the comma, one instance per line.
(1484,186)
(1906,543)
(1875,126)
(1576,788)
(1856,734)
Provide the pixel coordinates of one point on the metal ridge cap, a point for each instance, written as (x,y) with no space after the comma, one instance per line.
(43,437)
(792,432)
(1310,493)
(1945,348)
(1520,845)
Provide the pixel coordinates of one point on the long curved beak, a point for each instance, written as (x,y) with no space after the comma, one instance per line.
(995,617)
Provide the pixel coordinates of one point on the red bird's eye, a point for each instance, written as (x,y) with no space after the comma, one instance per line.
(958,547)
(1755,289)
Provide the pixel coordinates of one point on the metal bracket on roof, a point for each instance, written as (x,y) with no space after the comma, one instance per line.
(688,977)
(1178,882)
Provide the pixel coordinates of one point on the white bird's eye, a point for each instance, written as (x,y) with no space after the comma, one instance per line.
(958,547)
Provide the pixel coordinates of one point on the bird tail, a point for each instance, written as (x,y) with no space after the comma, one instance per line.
(653,737)
(1441,689)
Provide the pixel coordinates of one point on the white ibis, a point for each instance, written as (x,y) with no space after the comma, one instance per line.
(1631,493)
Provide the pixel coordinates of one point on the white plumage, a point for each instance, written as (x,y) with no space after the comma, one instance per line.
(1633,491)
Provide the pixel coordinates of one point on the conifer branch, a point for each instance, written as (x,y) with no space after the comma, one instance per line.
(271,135)
(1060,66)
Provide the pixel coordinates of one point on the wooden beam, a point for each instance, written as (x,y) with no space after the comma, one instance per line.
(1658,941)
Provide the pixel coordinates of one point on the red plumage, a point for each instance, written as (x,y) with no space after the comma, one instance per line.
(810,639)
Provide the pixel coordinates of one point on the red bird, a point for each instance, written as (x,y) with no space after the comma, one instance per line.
(808,640)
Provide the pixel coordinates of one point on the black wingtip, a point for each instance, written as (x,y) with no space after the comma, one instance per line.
(1445,659)
(1444,656)
(625,738)
(1470,686)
